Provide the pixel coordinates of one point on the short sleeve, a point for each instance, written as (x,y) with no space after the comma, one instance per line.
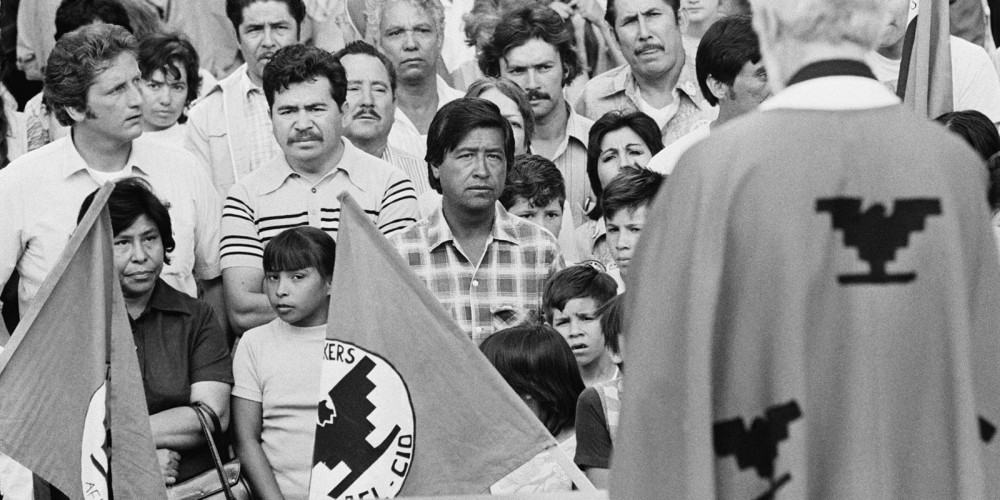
(399,207)
(246,370)
(593,440)
(240,244)
(208,232)
(210,361)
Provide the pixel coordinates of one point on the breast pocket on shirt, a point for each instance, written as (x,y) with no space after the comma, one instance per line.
(507,316)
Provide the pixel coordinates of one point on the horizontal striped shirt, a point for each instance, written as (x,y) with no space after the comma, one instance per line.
(503,290)
(275,197)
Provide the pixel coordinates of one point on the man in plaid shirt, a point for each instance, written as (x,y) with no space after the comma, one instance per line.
(487,267)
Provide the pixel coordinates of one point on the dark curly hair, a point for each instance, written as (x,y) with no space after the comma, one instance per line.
(299,63)
(725,48)
(132,198)
(639,122)
(632,188)
(537,362)
(519,26)
(75,62)
(167,52)
(534,179)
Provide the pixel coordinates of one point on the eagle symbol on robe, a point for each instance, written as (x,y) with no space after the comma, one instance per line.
(876,235)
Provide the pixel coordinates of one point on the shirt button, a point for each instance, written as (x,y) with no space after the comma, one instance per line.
(313,190)
(475,282)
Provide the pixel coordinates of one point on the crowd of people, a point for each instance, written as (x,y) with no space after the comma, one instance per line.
(510,150)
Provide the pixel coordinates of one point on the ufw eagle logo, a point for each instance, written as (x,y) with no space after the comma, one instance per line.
(878,236)
(757,447)
(364,428)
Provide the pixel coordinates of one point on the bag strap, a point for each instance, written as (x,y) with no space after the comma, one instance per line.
(205,412)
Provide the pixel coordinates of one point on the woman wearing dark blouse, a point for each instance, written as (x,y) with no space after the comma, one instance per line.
(183,352)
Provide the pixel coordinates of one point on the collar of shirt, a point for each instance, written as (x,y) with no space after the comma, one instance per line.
(577,128)
(166,299)
(351,163)
(624,81)
(445,95)
(833,93)
(73,162)
(246,85)
(439,233)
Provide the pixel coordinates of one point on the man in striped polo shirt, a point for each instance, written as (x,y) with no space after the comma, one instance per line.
(305,88)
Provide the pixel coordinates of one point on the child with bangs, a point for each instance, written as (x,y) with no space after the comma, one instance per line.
(571,301)
(599,406)
(277,366)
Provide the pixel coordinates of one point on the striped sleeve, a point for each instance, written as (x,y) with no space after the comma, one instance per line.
(241,244)
(399,208)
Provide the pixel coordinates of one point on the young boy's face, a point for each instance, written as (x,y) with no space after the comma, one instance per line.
(550,216)
(624,228)
(300,298)
(580,325)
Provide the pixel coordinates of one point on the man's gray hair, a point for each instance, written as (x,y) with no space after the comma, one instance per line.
(375,8)
(856,22)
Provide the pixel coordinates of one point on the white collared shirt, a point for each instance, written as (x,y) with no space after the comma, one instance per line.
(404,134)
(40,197)
(833,93)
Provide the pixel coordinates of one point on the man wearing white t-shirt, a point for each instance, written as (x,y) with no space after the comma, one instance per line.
(975,84)
(732,76)
(411,33)
(656,79)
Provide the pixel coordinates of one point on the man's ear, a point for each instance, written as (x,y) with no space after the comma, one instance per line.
(77,115)
(682,20)
(719,89)
(436,171)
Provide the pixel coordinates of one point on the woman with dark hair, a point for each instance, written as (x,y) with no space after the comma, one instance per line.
(617,139)
(539,365)
(976,128)
(182,350)
(171,81)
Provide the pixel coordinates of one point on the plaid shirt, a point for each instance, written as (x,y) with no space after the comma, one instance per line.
(504,290)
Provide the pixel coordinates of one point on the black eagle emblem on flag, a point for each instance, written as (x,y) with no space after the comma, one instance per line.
(348,426)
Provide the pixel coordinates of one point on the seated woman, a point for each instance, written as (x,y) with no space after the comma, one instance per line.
(616,139)
(539,365)
(182,349)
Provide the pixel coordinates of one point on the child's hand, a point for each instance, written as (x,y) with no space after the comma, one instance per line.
(170,460)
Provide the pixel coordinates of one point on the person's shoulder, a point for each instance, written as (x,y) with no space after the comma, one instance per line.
(589,397)
(261,334)
(604,83)
(36,164)
(965,52)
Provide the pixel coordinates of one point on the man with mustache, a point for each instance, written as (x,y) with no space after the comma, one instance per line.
(532,47)
(371,104)
(654,80)
(411,33)
(229,129)
(306,89)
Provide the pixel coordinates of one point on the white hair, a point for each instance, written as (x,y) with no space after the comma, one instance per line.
(856,22)
(375,8)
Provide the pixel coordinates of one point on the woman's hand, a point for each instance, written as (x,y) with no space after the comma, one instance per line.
(170,460)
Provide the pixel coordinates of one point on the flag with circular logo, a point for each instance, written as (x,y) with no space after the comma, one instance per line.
(364,426)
